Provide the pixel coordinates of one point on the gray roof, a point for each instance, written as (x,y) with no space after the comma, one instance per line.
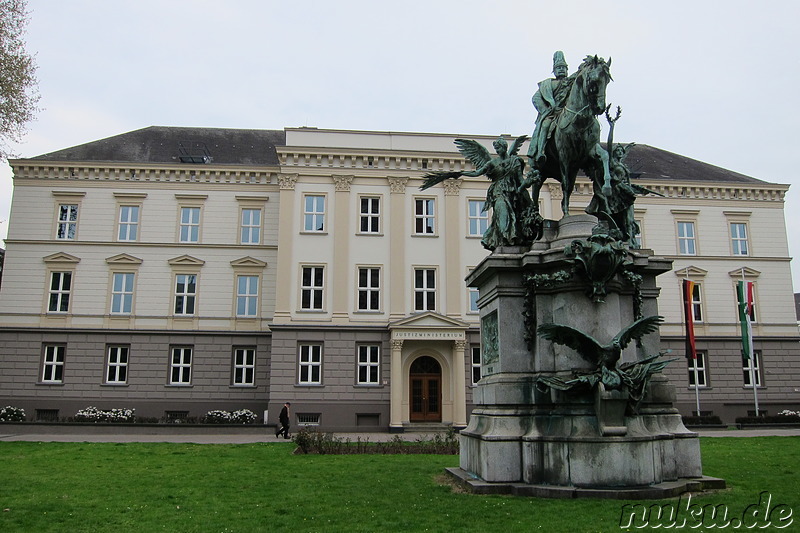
(655,164)
(162,144)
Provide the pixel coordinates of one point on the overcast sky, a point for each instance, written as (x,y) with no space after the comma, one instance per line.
(712,80)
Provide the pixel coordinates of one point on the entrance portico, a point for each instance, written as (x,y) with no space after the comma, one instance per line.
(428,371)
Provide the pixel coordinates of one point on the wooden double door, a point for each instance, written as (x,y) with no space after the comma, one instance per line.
(425,394)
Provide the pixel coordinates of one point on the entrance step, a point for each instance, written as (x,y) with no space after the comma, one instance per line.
(425,427)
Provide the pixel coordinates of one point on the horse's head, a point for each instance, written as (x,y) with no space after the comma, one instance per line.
(592,77)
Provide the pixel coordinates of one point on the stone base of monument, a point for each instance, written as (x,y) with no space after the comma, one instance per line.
(525,437)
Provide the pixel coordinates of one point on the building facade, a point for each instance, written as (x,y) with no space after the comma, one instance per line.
(180,270)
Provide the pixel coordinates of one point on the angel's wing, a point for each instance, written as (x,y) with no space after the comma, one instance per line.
(638,329)
(517,144)
(579,341)
(477,154)
(435,178)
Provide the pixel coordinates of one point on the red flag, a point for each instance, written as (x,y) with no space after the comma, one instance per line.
(688,313)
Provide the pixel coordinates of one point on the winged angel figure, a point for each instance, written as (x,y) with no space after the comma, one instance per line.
(604,356)
(513,211)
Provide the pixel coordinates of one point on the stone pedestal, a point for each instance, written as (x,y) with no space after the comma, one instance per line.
(531,439)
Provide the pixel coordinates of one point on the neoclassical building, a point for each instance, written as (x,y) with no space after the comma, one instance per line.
(180,270)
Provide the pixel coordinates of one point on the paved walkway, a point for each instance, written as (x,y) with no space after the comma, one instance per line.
(269,436)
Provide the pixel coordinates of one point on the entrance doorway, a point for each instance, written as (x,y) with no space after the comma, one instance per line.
(425,395)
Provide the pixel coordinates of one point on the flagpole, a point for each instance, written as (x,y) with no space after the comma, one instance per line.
(746,293)
(687,310)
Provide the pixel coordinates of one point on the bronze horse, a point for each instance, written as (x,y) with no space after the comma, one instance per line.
(573,144)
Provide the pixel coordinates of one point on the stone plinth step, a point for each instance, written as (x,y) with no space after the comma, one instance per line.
(667,489)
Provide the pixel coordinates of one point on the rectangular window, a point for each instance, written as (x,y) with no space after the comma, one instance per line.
(369,364)
(755,362)
(190,224)
(425,289)
(369,287)
(314,213)
(247,296)
(67,221)
(697,370)
(638,242)
(244,367)
(476,364)
(370,214)
(53,364)
(739,238)
(251,226)
(117,366)
(180,366)
(185,294)
(312,287)
(478,218)
(310,366)
(697,303)
(128,223)
(424,216)
(686,238)
(60,289)
(122,293)
(473,300)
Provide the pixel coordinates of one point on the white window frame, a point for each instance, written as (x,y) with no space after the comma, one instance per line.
(369,220)
(180,365)
(53,360)
(425,216)
(746,363)
(698,311)
(309,364)
(247,292)
(189,226)
(477,219)
(426,289)
(368,297)
(250,230)
(314,213)
(740,244)
(128,223)
(698,368)
(67,221)
(185,302)
(472,300)
(639,237)
(313,288)
(244,366)
(475,354)
(368,363)
(59,292)
(687,244)
(117,359)
(122,294)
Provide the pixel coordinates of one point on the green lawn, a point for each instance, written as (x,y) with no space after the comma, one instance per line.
(76,487)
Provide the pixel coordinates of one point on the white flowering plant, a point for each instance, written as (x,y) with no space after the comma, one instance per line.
(787,412)
(217,416)
(93,414)
(12,414)
(242,416)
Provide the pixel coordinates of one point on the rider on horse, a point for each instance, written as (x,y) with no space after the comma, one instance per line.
(548,100)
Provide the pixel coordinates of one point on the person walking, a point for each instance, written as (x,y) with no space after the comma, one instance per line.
(283,419)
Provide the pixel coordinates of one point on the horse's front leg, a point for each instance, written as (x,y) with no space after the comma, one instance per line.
(600,152)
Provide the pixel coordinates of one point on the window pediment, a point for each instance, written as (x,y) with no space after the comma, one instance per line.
(248,262)
(123,259)
(185,260)
(61,258)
